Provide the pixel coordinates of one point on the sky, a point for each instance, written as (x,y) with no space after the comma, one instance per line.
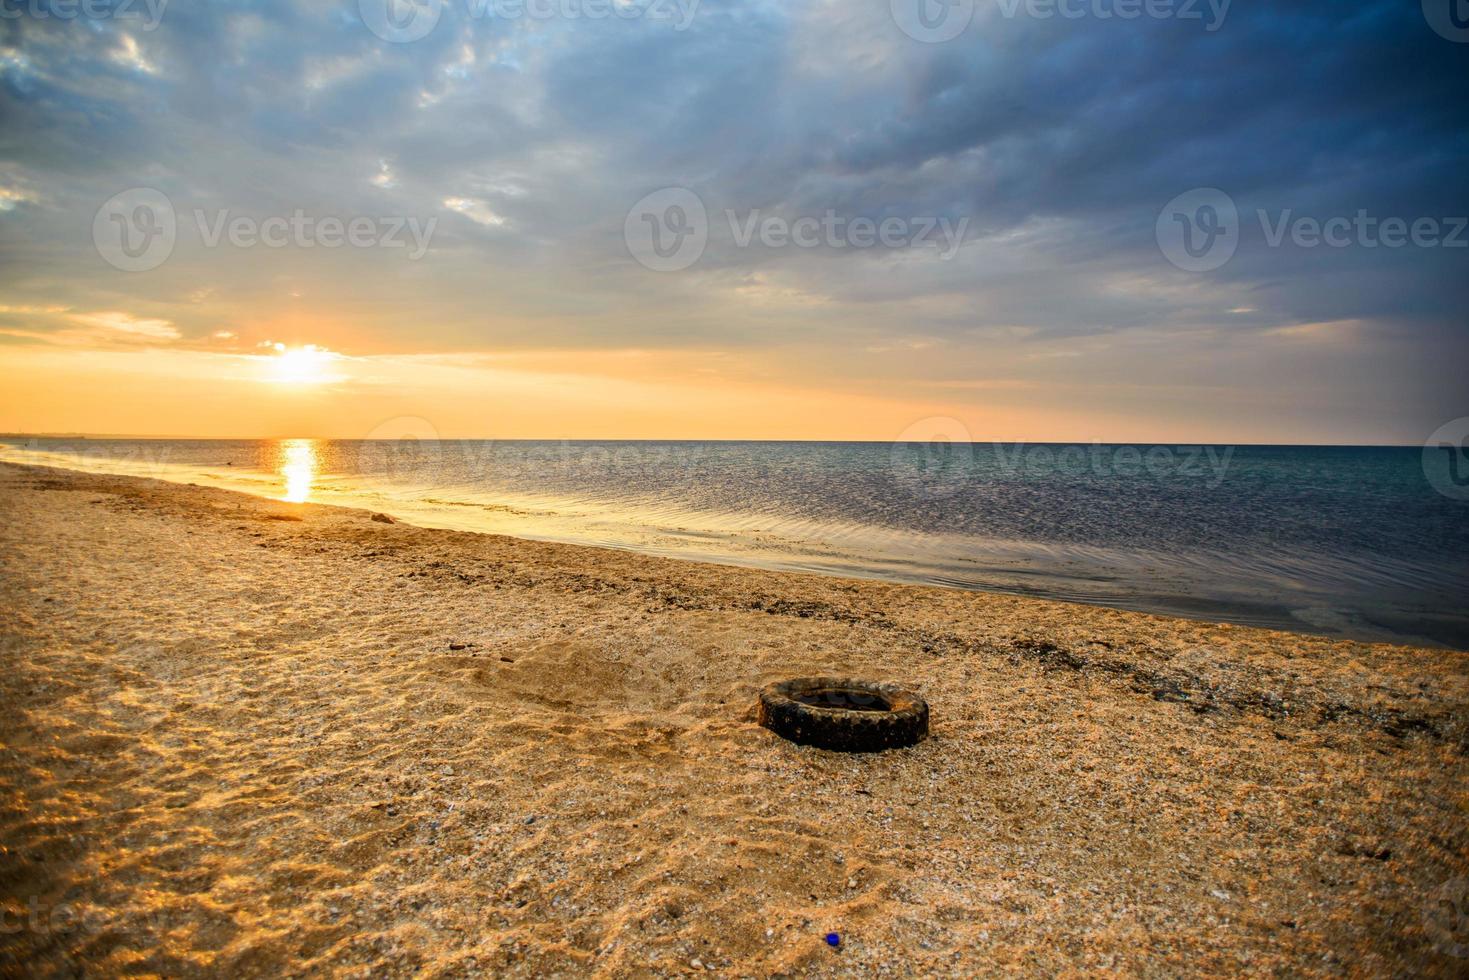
(659,219)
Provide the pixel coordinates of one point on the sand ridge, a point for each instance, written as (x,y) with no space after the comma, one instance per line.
(256,738)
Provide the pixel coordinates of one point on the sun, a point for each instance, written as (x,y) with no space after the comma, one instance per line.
(301,365)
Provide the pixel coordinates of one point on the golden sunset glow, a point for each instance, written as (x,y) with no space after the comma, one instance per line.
(298,466)
(300,365)
(173,390)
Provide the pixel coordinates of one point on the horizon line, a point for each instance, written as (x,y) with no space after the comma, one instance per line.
(632,439)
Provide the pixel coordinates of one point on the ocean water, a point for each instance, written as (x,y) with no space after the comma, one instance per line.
(1354,542)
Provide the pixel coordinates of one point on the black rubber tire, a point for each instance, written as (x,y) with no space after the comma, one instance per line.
(894,718)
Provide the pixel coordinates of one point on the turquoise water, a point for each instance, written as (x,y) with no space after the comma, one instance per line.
(1353,542)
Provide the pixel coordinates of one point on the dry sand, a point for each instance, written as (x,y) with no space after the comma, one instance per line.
(244,737)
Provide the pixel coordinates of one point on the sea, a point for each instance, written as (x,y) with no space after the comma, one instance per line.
(1368,543)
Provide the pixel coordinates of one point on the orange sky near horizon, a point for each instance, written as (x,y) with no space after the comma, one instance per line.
(302,392)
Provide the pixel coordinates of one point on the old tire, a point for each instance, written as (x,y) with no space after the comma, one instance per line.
(843,714)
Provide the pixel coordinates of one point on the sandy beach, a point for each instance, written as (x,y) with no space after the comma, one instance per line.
(250,738)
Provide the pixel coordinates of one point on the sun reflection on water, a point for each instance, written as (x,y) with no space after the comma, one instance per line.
(298,468)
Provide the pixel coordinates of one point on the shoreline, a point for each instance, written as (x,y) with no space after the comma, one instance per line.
(1244,589)
(261,737)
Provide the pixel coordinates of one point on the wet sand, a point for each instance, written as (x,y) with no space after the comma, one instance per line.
(247,737)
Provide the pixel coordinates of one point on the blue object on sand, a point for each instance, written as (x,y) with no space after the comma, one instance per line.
(832,939)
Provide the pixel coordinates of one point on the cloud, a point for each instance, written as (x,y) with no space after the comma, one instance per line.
(476,211)
(127,324)
(1059,139)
